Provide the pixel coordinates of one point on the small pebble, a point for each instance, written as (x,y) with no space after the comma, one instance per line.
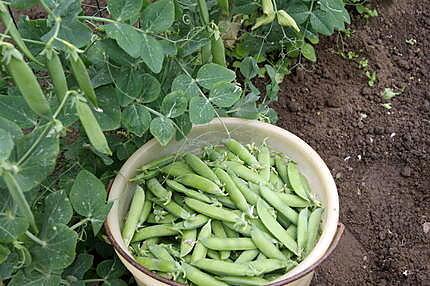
(426,227)
(406,171)
(293,106)
(379,130)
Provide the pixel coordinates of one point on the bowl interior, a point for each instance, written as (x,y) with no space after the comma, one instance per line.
(245,131)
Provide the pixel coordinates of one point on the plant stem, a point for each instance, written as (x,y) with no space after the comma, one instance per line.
(78,224)
(93,280)
(35,239)
(25,40)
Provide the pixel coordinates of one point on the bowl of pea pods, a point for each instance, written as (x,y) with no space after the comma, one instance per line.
(235,202)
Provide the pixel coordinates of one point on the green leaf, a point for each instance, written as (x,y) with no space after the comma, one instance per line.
(152,53)
(158,16)
(109,117)
(299,11)
(389,93)
(6,144)
(123,10)
(59,247)
(110,269)
(246,107)
(136,119)
(68,9)
(4,253)
(137,44)
(174,104)
(33,30)
(12,128)
(162,129)
(225,94)
(322,22)
(308,52)
(151,90)
(25,118)
(8,267)
(211,74)
(86,202)
(114,52)
(114,282)
(72,31)
(33,170)
(127,37)
(11,227)
(57,208)
(201,110)
(185,83)
(169,48)
(184,124)
(33,278)
(129,84)
(99,217)
(80,266)
(249,68)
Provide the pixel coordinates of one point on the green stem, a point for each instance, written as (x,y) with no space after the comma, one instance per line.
(62,103)
(35,239)
(93,280)
(57,30)
(98,19)
(78,224)
(25,40)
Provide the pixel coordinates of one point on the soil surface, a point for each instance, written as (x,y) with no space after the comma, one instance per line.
(380,157)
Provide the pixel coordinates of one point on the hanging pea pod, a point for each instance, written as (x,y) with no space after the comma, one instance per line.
(204,12)
(218,50)
(284,19)
(224,7)
(81,75)
(25,80)
(263,20)
(91,126)
(56,72)
(14,33)
(267,6)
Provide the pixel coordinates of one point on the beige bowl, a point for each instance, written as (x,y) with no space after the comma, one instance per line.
(245,131)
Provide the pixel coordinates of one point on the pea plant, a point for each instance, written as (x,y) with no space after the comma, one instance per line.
(81,91)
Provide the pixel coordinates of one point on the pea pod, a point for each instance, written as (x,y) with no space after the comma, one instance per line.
(200,250)
(56,73)
(243,172)
(273,199)
(200,278)
(267,6)
(219,232)
(218,50)
(157,264)
(243,153)
(146,209)
(91,127)
(265,245)
(296,181)
(284,19)
(82,77)
(133,215)
(249,195)
(247,255)
(233,191)
(212,211)
(154,231)
(160,252)
(244,281)
(226,244)
(14,33)
(188,192)
(224,7)
(200,167)
(313,228)
(264,160)
(274,227)
(302,229)
(156,164)
(204,12)
(187,241)
(18,197)
(158,190)
(25,80)
(206,53)
(177,169)
(200,183)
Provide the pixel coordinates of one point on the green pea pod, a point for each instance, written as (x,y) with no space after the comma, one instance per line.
(157,264)
(14,33)
(263,20)
(133,215)
(267,6)
(204,12)
(218,50)
(18,197)
(206,53)
(296,181)
(81,75)
(56,73)
(284,19)
(91,127)
(25,80)
(199,277)
(188,241)
(224,7)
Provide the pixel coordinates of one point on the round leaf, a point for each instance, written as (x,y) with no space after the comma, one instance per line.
(225,94)
(6,144)
(136,119)
(109,117)
(30,278)
(211,74)
(186,84)
(110,269)
(162,129)
(123,10)
(158,16)
(12,128)
(151,88)
(11,227)
(4,253)
(249,68)
(201,110)
(174,104)
(59,249)
(308,52)
(184,124)
(57,208)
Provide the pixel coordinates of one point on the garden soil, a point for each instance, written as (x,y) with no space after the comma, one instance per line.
(380,157)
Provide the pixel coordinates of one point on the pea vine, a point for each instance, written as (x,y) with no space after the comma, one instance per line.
(81,90)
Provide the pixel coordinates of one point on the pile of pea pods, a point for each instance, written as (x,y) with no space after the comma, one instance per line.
(232,215)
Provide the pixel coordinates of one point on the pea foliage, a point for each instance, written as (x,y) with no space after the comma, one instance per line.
(81,90)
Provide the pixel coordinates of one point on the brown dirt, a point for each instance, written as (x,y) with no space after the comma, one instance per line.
(380,157)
